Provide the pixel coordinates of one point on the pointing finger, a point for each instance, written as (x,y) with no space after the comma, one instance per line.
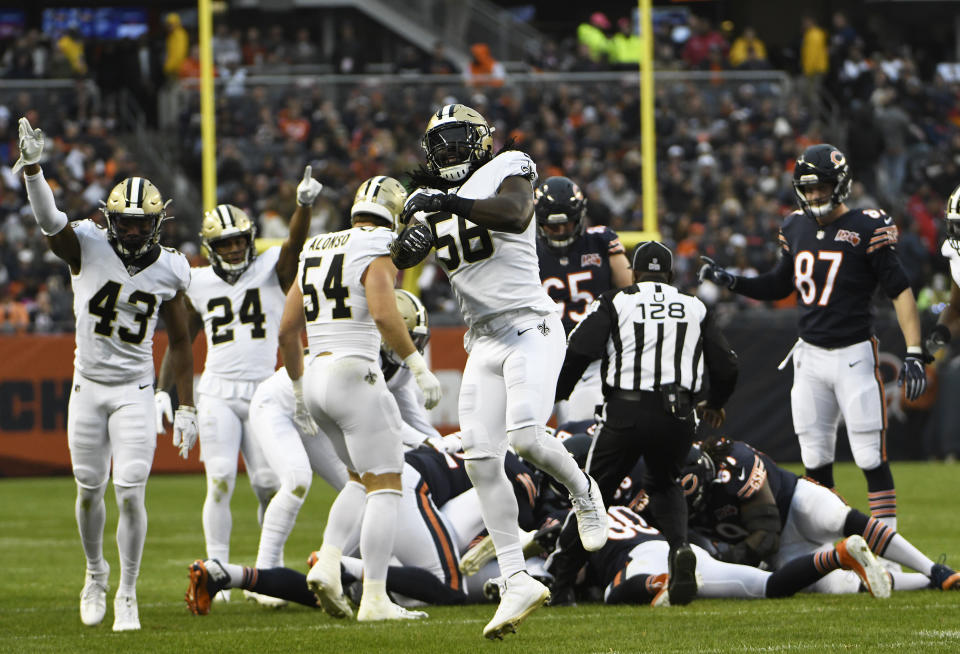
(307,173)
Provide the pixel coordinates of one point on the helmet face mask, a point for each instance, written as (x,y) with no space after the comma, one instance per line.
(952,219)
(559,203)
(220,227)
(457,141)
(380,197)
(134,211)
(415,317)
(821,164)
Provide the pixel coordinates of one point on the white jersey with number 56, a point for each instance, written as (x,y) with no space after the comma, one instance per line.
(117,311)
(334,299)
(491,272)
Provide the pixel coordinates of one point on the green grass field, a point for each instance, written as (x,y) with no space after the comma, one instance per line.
(43,573)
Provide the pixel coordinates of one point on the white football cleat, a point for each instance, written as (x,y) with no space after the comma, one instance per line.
(374,609)
(523,596)
(126,615)
(93,597)
(265,600)
(591,518)
(324,580)
(222,596)
(855,554)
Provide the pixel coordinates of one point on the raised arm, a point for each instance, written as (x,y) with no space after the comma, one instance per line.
(307,192)
(510,210)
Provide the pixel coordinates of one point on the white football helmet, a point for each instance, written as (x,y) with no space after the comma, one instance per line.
(952,215)
(222,222)
(134,211)
(457,141)
(382,197)
(415,317)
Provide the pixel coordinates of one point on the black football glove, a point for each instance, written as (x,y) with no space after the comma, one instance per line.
(412,246)
(938,338)
(716,274)
(913,375)
(429,203)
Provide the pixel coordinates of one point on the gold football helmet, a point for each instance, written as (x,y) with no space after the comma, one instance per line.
(457,141)
(222,222)
(134,211)
(415,317)
(951,216)
(381,196)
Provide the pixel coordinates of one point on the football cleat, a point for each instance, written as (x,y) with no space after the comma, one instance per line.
(93,597)
(324,580)
(660,584)
(682,586)
(591,517)
(944,577)
(523,596)
(375,609)
(478,556)
(205,578)
(126,616)
(264,600)
(855,555)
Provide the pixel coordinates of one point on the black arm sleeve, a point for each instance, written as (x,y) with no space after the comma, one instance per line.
(889,271)
(586,343)
(774,284)
(720,361)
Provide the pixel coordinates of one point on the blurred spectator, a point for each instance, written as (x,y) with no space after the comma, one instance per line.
(253,50)
(71,45)
(593,36)
(484,69)
(303,51)
(14,317)
(226,45)
(438,63)
(814,57)
(626,46)
(178,46)
(748,51)
(703,40)
(350,54)
(842,38)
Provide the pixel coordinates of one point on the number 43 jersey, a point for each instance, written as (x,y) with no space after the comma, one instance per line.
(491,272)
(334,298)
(241,319)
(117,311)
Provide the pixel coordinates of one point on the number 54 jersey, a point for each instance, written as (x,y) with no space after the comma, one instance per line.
(116,307)
(240,320)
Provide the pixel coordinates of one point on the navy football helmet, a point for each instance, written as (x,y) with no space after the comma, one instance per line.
(560,208)
(821,164)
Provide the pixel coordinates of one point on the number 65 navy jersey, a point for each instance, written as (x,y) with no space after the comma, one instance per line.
(836,268)
(580,275)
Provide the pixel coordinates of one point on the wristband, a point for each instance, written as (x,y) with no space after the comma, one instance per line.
(458,205)
(915,350)
(415,362)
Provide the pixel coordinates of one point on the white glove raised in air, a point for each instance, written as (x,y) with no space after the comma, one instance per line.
(308,189)
(186,429)
(161,400)
(426,380)
(301,415)
(31,145)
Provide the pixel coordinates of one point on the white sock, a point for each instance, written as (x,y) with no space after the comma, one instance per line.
(498,506)
(343,523)
(909,581)
(234,571)
(217,521)
(374,589)
(377,533)
(890,521)
(131,533)
(549,454)
(278,521)
(91,515)
(902,551)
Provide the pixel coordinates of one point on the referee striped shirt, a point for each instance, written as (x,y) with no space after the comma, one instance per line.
(649,335)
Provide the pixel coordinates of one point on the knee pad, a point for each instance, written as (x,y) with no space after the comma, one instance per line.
(220,488)
(816,450)
(527,440)
(132,473)
(89,479)
(486,470)
(477,444)
(867,449)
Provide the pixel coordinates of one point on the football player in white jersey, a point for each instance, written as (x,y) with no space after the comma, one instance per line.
(345,299)
(122,280)
(949,322)
(476,209)
(237,300)
(295,454)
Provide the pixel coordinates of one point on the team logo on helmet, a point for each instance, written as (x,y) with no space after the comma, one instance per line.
(382,197)
(134,211)
(223,222)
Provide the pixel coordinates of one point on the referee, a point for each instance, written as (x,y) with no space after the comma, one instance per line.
(654,343)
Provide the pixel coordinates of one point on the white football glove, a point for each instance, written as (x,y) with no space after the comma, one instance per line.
(186,429)
(31,145)
(426,380)
(161,400)
(301,415)
(308,189)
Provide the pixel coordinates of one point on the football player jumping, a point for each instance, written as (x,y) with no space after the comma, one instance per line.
(835,257)
(577,265)
(476,209)
(237,301)
(122,280)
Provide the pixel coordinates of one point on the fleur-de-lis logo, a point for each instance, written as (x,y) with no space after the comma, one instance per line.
(370,377)
(543,328)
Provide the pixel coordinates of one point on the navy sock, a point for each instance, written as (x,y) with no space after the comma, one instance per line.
(417,583)
(800,572)
(280,582)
